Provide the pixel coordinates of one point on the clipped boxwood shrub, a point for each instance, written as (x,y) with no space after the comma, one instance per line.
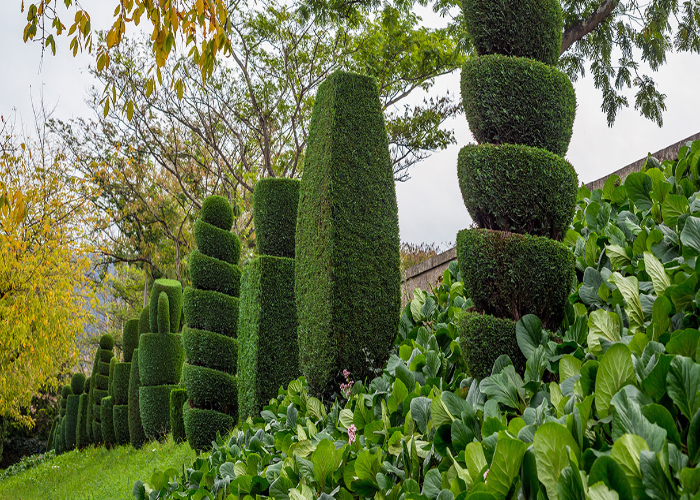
(483,338)
(178,396)
(120,384)
(71,425)
(518,101)
(120,418)
(144,322)
(107,421)
(173,289)
(209,273)
(136,434)
(347,238)
(81,436)
(99,394)
(160,358)
(212,311)
(66,391)
(219,243)
(130,338)
(96,432)
(102,381)
(275,206)
(511,275)
(103,368)
(267,332)
(105,356)
(211,389)
(107,342)
(154,406)
(112,365)
(97,412)
(518,188)
(202,425)
(531,28)
(205,348)
(217,211)
(77,383)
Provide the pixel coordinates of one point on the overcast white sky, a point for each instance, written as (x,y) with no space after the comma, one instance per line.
(430,203)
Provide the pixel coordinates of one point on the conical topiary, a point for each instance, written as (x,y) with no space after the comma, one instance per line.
(210,333)
(160,357)
(515,183)
(267,323)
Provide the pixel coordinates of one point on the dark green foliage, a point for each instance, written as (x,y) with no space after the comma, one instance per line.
(107,342)
(102,381)
(58,441)
(275,205)
(77,383)
(202,425)
(71,424)
(518,101)
(97,411)
(218,243)
(81,436)
(211,389)
(112,364)
(107,421)
(120,384)
(103,368)
(154,406)
(144,322)
(96,432)
(173,289)
(136,434)
(88,382)
(217,211)
(267,332)
(66,391)
(209,273)
(347,238)
(163,313)
(511,275)
(160,358)
(178,396)
(531,28)
(483,338)
(105,356)
(52,434)
(120,418)
(99,394)
(212,311)
(518,188)
(130,338)
(205,348)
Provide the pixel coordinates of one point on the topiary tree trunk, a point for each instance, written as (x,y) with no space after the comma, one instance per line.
(267,323)
(347,239)
(160,357)
(516,185)
(211,317)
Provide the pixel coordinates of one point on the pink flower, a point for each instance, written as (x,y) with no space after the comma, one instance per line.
(351,433)
(346,389)
(486,474)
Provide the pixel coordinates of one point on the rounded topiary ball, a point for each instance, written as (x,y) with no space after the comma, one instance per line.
(217,211)
(66,391)
(523,28)
(77,383)
(88,381)
(107,342)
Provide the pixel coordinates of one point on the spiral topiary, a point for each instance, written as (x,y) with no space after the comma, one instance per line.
(211,320)
(160,357)
(518,188)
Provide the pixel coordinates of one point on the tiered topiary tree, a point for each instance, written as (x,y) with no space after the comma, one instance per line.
(267,324)
(107,408)
(160,357)
(81,433)
(77,385)
(62,431)
(211,316)
(347,238)
(515,183)
(120,384)
(100,388)
(136,435)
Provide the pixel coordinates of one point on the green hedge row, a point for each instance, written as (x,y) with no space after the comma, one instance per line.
(202,425)
(347,238)
(275,207)
(130,338)
(219,243)
(518,101)
(267,332)
(120,418)
(212,311)
(136,435)
(160,358)
(531,28)
(205,348)
(154,407)
(178,396)
(518,188)
(107,421)
(209,273)
(510,275)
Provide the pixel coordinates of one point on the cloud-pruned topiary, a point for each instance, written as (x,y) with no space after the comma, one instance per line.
(160,358)
(211,324)
(178,396)
(347,238)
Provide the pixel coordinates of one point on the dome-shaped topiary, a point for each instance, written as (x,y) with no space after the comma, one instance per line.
(107,342)
(144,322)
(77,383)
(217,211)
(66,391)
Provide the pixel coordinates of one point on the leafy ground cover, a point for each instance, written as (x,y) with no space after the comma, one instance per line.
(94,473)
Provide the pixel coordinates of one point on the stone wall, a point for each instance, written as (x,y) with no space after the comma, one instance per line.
(427,273)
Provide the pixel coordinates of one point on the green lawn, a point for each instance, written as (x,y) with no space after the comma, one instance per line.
(95,473)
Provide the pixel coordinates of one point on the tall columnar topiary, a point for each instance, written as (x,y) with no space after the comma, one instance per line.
(160,357)
(120,398)
(107,408)
(66,393)
(136,435)
(178,396)
(347,238)
(211,324)
(81,433)
(516,184)
(77,386)
(267,324)
(101,384)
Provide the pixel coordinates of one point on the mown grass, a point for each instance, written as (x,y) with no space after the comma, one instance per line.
(95,473)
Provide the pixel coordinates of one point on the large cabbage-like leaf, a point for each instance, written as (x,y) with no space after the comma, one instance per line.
(615,372)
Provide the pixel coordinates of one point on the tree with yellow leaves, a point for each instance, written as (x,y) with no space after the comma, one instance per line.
(44,265)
